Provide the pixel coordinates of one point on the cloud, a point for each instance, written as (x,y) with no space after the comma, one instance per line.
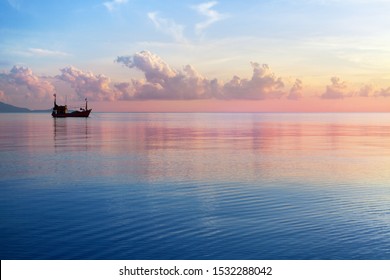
(175,30)
(111,5)
(296,90)
(385,92)
(153,66)
(205,9)
(87,84)
(366,91)
(46,52)
(337,90)
(168,26)
(126,90)
(263,85)
(23,77)
(164,82)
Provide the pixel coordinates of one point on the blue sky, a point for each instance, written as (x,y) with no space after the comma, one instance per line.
(309,40)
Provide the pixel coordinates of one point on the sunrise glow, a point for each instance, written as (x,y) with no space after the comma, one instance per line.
(197,56)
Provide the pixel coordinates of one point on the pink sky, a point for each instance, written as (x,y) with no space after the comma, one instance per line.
(167,89)
(313,104)
(203,56)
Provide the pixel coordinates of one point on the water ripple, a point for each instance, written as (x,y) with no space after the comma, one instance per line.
(196,186)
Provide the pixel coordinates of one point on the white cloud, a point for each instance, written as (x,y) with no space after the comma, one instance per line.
(112,5)
(176,31)
(168,26)
(46,52)
(205,9)
(152,65)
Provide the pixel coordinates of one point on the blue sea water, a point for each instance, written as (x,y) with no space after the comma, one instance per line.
(195,186)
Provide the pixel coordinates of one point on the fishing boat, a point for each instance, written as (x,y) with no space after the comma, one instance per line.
(62,111)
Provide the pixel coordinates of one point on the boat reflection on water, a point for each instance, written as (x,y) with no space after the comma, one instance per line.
(62,111)
(70,135)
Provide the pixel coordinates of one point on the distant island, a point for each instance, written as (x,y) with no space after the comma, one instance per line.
(7,108)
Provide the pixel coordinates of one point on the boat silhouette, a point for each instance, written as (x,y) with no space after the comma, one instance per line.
(61,111)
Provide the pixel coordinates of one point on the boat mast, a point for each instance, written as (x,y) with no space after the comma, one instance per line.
(86,104)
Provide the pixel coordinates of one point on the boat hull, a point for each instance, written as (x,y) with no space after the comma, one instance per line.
(75,114)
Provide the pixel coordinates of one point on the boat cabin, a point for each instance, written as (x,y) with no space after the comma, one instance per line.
(60,109)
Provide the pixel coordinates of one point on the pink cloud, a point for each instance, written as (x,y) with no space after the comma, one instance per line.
(87,84)
(165,82)
(337,90)
(385,92)
(366,91)
(23,78)
(296,90)
(263,85)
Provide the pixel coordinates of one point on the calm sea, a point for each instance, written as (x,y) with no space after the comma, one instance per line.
(195,186)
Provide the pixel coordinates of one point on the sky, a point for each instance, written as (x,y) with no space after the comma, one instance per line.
(197,56)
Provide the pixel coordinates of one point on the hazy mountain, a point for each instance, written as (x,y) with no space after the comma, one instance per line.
(7,108)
